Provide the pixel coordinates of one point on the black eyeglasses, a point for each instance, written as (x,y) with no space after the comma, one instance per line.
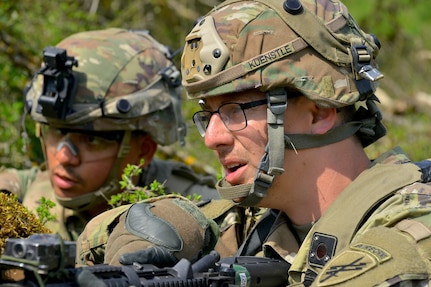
(232,115)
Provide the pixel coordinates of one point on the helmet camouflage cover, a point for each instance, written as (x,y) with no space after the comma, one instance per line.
(312,46)
(123,80)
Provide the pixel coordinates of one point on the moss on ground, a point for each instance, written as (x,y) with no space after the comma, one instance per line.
(16,220)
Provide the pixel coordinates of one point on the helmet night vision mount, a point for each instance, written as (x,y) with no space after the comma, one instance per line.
(59,83)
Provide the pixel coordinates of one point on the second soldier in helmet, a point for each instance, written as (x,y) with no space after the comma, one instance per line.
(102,100)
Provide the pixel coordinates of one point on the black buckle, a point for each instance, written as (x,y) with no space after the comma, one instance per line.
(362,63)
(425,167)
(171,76)
(362,66)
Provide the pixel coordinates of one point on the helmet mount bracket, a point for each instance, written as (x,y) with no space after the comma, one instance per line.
(59,83)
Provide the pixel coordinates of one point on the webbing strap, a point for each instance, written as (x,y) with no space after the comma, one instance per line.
(254,241)
(416,229)
(304,141)
(228,191)
(277,105)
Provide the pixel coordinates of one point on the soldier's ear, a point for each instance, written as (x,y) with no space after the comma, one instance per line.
(147,147)
(324,119)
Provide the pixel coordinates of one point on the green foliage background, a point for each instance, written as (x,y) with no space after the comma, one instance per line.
(27,26)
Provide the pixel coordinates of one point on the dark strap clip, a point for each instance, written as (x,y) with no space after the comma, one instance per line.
(425,167)
(171,76)
(362,63)
(365,72)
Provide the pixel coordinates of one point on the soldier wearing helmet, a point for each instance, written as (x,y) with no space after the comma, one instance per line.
(102,100)
(287,91)
(288,105)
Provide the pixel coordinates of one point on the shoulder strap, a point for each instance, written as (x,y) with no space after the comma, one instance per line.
(253,244)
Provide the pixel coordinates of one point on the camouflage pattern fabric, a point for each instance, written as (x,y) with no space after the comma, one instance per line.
(235,48)
(132,64)
(91,243)
(235,224)
(30,185)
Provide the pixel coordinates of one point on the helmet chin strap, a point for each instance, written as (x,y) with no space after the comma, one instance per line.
(109,188)
(367,127)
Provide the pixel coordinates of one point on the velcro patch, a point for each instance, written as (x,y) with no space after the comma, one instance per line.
(379,254)
(193,211)
(345,266)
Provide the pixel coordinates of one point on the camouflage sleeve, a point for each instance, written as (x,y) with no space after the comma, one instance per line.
(17,181)
(91,243)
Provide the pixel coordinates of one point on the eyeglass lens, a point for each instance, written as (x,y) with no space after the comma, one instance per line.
(232,115)
(87,146)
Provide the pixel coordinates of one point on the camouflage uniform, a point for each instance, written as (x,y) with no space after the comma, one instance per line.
(33,184)
(104,87)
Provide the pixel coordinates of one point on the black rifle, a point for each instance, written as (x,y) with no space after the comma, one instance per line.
(46,261)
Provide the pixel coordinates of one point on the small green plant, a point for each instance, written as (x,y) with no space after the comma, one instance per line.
(137,194)
(43,211)
(132,193)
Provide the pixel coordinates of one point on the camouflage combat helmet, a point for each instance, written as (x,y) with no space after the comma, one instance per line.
(108,80)
(311,47)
